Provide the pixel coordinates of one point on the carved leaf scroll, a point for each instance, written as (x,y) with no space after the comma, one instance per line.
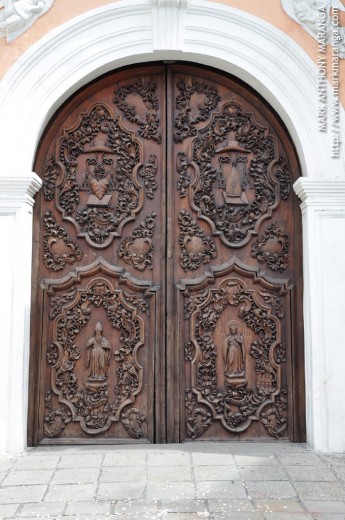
(197,248)
(149,174)
(184,121)
(137,249)
(133,421)
(272,248)
(58,247)
(149,123)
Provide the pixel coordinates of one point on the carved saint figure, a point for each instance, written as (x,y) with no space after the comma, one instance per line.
(233,352)
(98,355)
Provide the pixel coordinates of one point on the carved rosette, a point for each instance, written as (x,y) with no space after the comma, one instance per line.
(56,420)
(239,177)
(232,400)
(197,248)
(137,249)
(272,248)
(185,123)
(58,247)
(148,122)
(93,176)
(90,400)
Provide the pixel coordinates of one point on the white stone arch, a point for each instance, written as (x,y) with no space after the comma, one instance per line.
(134,31)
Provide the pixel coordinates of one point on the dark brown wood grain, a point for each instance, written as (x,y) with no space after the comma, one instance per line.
(168,301)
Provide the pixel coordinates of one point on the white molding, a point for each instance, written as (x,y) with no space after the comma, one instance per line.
(168,21)
(14,191)
(329,192)
(213,34)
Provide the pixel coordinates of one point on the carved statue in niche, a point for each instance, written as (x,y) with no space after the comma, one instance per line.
(233,356)
(232,161)
(98,355)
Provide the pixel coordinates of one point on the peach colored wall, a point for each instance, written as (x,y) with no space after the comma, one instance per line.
(63,10)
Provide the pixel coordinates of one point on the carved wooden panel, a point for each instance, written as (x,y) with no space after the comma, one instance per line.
(167,303)
(235,331)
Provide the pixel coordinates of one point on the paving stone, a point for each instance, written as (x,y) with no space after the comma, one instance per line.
(334,459)
(2,475)
(310,473)
(238,516)
(339,471)
(123,474)
(260,473)
(324,506)
(122,458)
(33,476)
(226,505)
(43,509)
(213,459)
(320,490)
(36,462)
(6,463)
(68,492)
(8,510)
(170,490)
(328,516)
(184,506)
(278,505)
(184,516)
(75,475)
(256,460)
(135,507)
(88,508)
(178,473)
(81,460)
(216,473)
(220,489)
(299,459)
(168,458)
(270,489)
(21,494)
(288,516)
(120,490)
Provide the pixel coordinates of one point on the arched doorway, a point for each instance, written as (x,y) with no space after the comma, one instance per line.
(168,296)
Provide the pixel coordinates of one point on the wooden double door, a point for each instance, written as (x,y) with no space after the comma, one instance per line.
(167,297)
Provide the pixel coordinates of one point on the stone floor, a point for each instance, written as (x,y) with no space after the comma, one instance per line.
(236,481)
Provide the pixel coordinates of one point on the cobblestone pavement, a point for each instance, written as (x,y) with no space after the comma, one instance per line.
(236,481)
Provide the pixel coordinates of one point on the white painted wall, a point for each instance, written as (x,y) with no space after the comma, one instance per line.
(213,34)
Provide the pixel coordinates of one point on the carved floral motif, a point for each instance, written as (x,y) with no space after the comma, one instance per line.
(274,417)
(184,121)
(51,172)
(58,247)
(56,420)
(272,248)
(198,417)
(133,420)
(149,123)
(196,247)
(184,179)
(137,249)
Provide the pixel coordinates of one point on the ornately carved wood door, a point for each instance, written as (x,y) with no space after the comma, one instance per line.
(167,303)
